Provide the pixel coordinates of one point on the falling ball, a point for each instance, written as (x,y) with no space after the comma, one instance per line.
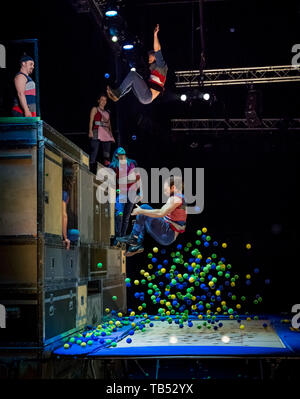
(204,230)
(83,344)
(155,250)
(128,340)
(136,282)
(248,246)
(66,346)
(99,265)
(224,245)
(248,276)
(242,327)
(107,310)
(114,298)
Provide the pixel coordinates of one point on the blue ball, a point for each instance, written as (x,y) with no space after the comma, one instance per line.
(107,75)
(165,262)
(103,333)
(179,246)
(256,270)
(151,324)
(131,332)
(190,324)
(159,267)
(215,243)
(154,260)
(203,236)
(220,324)
(248,282)
(181,326)
(128,340)
(128,285)
(102,341)
(267,281)
(137,294)
(163,251)
(215,328)
(206,244)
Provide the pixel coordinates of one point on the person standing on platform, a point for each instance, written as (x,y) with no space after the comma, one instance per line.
(67,187)
(25,100)
(100,132)
(164,224)
(126,179)
(144,92)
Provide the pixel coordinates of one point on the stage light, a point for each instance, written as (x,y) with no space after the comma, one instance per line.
(206,96)
(107,76)
(128,46)
(133,69)
(183,97)
(225,339)
(114,38)
(111,11)
(173,339)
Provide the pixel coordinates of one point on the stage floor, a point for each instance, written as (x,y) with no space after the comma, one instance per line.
(267,336)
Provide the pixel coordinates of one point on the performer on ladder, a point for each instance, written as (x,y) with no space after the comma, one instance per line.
(144,92)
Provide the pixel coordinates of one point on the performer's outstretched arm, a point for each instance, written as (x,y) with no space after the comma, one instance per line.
(156,44)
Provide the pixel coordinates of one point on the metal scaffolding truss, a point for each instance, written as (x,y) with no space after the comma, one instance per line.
(190,125)
(238,76)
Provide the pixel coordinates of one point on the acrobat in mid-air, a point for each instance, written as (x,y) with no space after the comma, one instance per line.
(144,92)
(164,224)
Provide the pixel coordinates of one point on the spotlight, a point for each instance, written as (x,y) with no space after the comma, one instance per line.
(173,339)
(111,11)
(114,38)
(225,339)
(206,96)
(183,97)
(133,69)
(128,46)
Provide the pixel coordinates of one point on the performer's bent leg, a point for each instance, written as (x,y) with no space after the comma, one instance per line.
(139,225)
(160,230)
(135,82)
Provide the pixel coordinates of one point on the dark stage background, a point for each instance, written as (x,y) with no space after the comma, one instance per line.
(251,179)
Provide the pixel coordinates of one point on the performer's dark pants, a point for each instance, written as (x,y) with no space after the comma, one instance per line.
(94,145)
(122,214)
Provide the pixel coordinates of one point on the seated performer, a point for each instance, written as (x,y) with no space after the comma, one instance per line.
(164,224)
(158,72)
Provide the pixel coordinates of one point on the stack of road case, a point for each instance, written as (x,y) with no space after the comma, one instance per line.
(48,291)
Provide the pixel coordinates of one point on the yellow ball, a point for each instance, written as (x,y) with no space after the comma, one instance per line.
(223,303)
(218,293)
(208,311)
(149,278)
(150,266)
(199,256)
(136,282)
(83,344)
(140,308)
(132,314)
(168,303)
(248,276)
(107,310)
(231,317)
(232,284)
(162,301)
(191,280)
(120,314)
(156,317)
(224,245)
(200,317)
(238,306)
(219,309)
(194,264)
(111,322)
(168,313)
(193,298)
(173,296)
(194,307)
(204,230)
(142,271)
(242,327)
(179,275)
(211,283)
(146,274)
(248,246)
(163,270)
(145,315)
(155,250)
(118,323)
(99,327)
(248,319)
(132,324)
(66,346)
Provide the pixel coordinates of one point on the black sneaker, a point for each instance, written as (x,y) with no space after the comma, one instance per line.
(130,239)
(134,249)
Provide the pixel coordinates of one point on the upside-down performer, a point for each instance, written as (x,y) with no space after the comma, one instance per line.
(144,92)
(164,224)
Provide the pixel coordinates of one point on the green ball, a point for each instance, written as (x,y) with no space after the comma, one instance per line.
(150,255)
(227,275)
(72,340)
(150,292)
(255,301)
(143,282)
(99,265)
(78,342)
(90,342)
(114,298)
(208,238)
(243,298)
(114,344)
(233,297)
(199,232)
(189,244)
(230,311)
(198,242)
(127,280)
(228,266)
